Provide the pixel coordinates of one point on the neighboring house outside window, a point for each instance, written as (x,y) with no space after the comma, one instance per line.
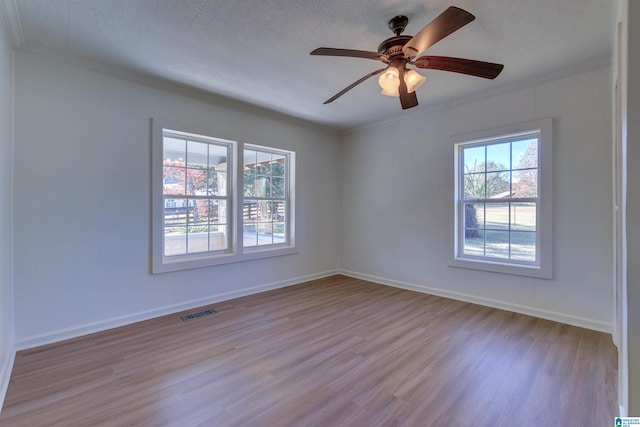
(205,212)
(503,200)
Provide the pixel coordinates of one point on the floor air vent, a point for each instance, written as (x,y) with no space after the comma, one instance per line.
(198,314)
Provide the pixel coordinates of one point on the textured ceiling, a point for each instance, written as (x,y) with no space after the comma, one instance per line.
(257,51)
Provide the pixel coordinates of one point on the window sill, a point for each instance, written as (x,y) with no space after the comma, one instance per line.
(249,255)
(503,268)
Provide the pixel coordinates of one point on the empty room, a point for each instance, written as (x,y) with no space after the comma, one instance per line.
(319,213)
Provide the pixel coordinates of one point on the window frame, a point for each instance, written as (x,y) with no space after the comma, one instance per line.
(228,197)
(286,199)
(235,251)
(542,267)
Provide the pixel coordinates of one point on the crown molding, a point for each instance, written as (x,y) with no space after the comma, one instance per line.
(11,18)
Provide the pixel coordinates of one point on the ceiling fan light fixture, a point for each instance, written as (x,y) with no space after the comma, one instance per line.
(413,80)
(389,81)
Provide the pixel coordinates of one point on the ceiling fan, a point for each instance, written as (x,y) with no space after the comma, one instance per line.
(399,51)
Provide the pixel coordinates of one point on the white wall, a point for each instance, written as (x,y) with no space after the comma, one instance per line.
(6,303)
(397,201)
(82,202)
(633,208)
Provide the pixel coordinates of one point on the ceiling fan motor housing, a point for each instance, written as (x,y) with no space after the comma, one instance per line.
(393,46)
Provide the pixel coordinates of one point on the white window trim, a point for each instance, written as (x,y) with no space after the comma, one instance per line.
(236,251)
(544,227)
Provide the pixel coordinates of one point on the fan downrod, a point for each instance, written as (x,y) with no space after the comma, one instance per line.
(397,24)
(392,47)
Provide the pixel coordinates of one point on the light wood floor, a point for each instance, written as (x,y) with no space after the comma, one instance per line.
(332,352)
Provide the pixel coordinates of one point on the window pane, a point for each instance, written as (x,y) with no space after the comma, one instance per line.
(497,244)
(260,186)
(279,232)
(217,185)
(248,180)
(279,211)
(525,183)
(497,185)
(263,169)
(198,239)
(174,151)
(249,211)
(250,157)
(265,233)
(525,154)
(278,166)
(218,238)
(474,186)
(474,243)
(249,172)
(197,155)
(277,187)
(523,216)
(218,157)
(474,160)
(217,179)
(250,235)
(263,213)
(498,157)
(175,241)
(196,182)
(257,173)
(523,245)
(249,219)
(200,212)
(173,180)
(175,212)
(473,215)
(217,211)
(497,216)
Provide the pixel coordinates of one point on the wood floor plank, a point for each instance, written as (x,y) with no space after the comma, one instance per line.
(332,352)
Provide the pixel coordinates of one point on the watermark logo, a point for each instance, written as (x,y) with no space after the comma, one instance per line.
(627,422)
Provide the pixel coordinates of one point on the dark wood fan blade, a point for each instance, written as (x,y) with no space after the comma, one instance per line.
(330,51)
(352,85)
(446,23)
(487,70)
(407,100)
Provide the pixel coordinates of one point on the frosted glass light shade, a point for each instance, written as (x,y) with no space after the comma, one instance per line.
(413,80)
(389,81)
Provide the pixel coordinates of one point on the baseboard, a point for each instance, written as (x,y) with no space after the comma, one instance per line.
(77,331)
(582,322)
(6,366)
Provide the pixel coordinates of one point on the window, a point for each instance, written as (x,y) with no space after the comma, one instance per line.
(205,213)
(195,194)
(264,210)
(503,200)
